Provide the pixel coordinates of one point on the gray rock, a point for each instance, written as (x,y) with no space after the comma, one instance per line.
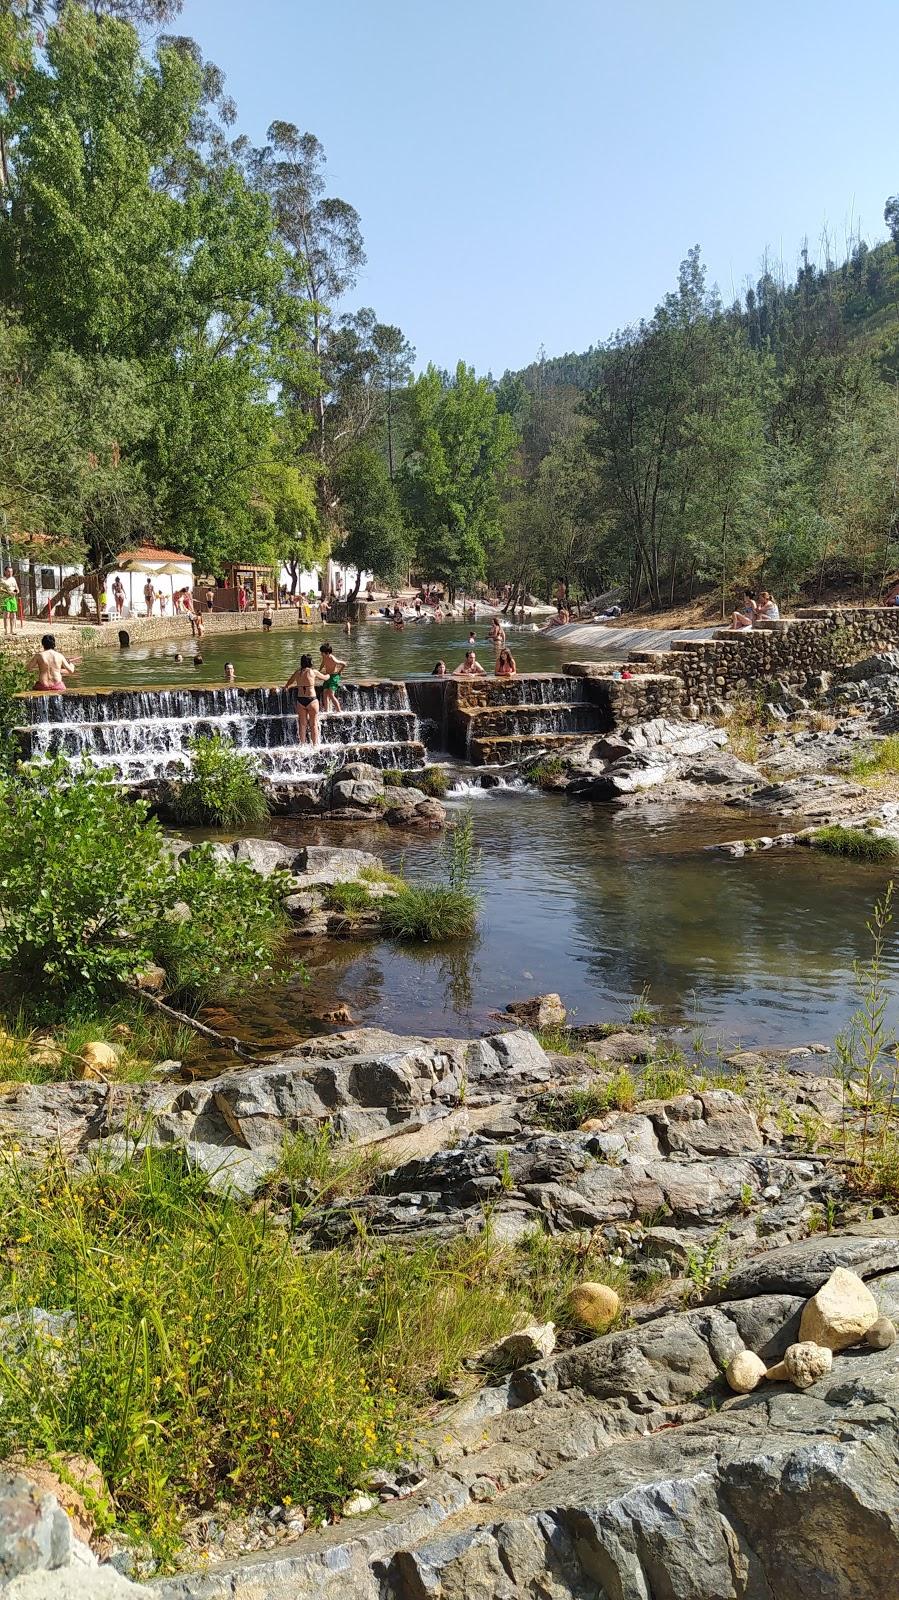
(266,856)
(35,1533)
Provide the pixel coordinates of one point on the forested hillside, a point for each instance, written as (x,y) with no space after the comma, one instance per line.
(712,443)
(182,362)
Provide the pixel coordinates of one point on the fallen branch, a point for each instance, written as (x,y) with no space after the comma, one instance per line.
(245,1051)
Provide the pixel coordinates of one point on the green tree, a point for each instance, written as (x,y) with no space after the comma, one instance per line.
(460,449)
(374,538)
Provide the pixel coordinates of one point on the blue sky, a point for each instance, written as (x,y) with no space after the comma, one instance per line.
(532,173)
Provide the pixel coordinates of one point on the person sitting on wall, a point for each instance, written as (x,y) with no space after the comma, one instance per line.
(746,613)
(470,667)
(768,609)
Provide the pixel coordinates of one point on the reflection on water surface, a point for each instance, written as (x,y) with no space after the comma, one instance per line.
(597,903)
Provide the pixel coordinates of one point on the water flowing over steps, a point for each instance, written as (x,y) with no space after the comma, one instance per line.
(145,733)
(500,720)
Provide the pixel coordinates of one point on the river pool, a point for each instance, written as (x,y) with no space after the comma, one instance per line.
(600,903)
(373,650)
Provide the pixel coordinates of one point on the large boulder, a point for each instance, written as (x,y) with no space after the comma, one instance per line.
(840,1313)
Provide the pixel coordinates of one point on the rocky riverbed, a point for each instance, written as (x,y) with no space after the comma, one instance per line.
(612,1465)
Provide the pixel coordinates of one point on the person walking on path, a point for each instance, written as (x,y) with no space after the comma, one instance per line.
(149,596)
(118,595)
(9,600)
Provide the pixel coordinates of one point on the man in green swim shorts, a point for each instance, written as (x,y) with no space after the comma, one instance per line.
(9,600)
(333,668)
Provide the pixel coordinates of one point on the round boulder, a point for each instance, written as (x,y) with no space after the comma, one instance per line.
(803,1364)
(98,1059)
(594,1305)
(745,1371)
(881,1334)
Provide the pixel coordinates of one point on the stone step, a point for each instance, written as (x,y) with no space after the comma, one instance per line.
(564,717)
(505,748)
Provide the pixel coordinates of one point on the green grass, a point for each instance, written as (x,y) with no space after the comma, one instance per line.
(350,898)
(207,1359)
(881,762)
(142,1038)
(558,1041)
(642,1013)
(430,913)
(317,1170)
(567,1111)
(544,772)
(856,844)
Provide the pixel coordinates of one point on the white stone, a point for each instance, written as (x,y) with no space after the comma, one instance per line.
(745,1371)
(840,1313)
(803,1364)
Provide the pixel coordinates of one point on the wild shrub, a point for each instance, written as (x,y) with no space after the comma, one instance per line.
(90,895)
(13,679)
(430,912)
(234,931)
(222,788)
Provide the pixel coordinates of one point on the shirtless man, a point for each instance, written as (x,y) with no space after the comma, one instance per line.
(9,599)
(50,665)
(470,667)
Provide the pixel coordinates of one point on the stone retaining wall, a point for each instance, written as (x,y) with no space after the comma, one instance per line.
(696,676)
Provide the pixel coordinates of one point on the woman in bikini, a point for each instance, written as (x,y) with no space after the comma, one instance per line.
(306,680)
(505,665)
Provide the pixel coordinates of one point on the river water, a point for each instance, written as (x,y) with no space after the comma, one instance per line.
(600,903)
(373,650)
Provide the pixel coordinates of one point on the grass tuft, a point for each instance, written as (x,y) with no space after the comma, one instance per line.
(881,762)
(856,844)
(430,912)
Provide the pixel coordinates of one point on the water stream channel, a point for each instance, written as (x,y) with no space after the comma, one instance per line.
(600,903)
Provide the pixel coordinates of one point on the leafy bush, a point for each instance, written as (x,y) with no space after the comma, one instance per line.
(222,789)
(83,876)
(13,679)
(89,895)
(236,924)
(857,844)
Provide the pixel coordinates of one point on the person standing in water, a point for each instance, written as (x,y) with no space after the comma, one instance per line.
(306,680)
(9,591)
(50,665)
(497,635)
(331,670)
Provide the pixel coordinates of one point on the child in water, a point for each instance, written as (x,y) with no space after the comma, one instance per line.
(332,668)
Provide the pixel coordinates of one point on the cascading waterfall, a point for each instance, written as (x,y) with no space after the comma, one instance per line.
(145,733)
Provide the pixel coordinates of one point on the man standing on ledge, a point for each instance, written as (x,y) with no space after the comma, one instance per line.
(9,599)
(50,665)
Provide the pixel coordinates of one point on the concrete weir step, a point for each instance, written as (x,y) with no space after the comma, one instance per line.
(505,748)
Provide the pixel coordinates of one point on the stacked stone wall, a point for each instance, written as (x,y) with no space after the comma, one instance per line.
(697,676)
